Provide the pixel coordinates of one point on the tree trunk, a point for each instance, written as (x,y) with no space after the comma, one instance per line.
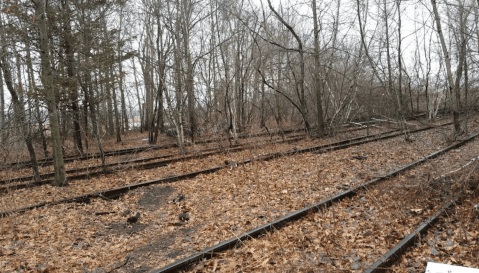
(19,111)
(124,115)
(466,94)
(317,79)
(140,108)
(72,82)
(2,102)
(263,104)
(115,106)
(109,103)
(302,98)
(453,88)
(189,82)
(51,92)
(86,102)
(178,88)
(38,115)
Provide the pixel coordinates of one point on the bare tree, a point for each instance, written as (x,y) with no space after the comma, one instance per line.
(19,109)
(2,102)
(453,85)
(302,98)
(71,81)
(317,79)
(50,93)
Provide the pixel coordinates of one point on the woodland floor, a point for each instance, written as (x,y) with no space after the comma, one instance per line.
(349,236)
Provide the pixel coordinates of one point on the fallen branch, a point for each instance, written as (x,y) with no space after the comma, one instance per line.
(115,267)
(104,212)
(394,121)
(459,169)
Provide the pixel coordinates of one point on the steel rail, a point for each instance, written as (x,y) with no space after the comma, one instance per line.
(139,167)
(49,161)
(113,193)
(141,160)
(210,252)
(146,166)
(395,253)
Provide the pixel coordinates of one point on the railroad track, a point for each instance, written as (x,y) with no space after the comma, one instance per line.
(211,252)
(114,193)
(67,159)
(439,238)
(394,255)
(164,161)
(108,167)
(382,264)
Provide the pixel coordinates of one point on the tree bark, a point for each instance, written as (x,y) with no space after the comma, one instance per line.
(19,111)
(140,108)
(185,12)
(71,78)
(51,94)
(38,115)
(2,102)
(124,116)
(317,78)
(453,88)
(302,99)
(115,105)
(109,102)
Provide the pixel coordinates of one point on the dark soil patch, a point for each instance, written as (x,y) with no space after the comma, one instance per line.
(123,228)
(157,250)
(155,196)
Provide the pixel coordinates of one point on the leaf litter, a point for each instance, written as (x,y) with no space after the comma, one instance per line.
(48,193)
(353,234)
(220,205)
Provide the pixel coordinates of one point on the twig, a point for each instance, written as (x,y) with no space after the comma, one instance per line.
(393,121)
(104,212)
(458,169)
(104,197)
(120,265)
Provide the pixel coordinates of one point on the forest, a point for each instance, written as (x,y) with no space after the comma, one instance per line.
(76,71)
(107,99)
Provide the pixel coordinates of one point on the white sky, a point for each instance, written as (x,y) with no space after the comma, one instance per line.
(416,19)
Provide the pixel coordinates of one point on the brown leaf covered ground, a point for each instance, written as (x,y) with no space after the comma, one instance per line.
(14,199)
(173,152)
(454,239)
(133,139)
(79,237)
(353,234)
